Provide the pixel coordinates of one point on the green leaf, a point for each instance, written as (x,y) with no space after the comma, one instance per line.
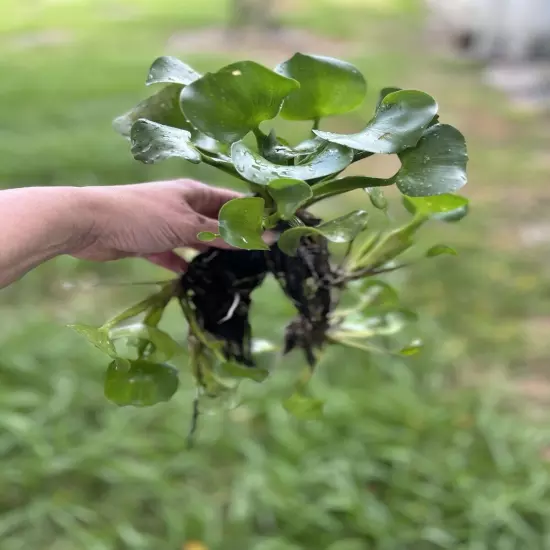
(241,223)
(235,370)
(309,146)
(167,69)
(274,150)
(228,104)
(340,230)
(383,93)
(140,383)
(391,245)
(98,337)
(162,108)
(328,87)
(210,145)
(439,250)
(444,204)
(153,305)
(304,407)
(436,165)
(207,236)
(453,215)
(289,194)
(398,123)
(412,349)
(162,345)
(329,160)
(152,142)
(377,198)
(377,292)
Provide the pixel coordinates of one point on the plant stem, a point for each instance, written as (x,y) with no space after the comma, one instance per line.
(223,166)
(271,220)
(316,122)
(152,319)
(339,340)
(368,272)
(156,300)
(260,136)
(197,331)
(326,189)
(389,245)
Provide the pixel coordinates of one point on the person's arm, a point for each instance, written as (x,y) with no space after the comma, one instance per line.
(36,224)
(105,223)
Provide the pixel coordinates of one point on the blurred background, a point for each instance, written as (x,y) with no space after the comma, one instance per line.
(447,449)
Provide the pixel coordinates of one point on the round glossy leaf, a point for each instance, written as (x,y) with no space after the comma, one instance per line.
(167,69)
(98,337)
(340,230)
(398,123)
(240,223)
(328,86)
(454,215)
(162,107)
(377,198)
(440,250)
(446,203)
(228,104)
(329,160)
(289,194)
(304,407)
(206,236)
(436,165)
(140,383)
(383,93)
(152,142)
(236,370)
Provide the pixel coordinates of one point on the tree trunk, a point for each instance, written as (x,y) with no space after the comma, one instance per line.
(257,14)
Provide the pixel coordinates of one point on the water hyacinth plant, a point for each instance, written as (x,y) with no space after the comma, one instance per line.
(211,118)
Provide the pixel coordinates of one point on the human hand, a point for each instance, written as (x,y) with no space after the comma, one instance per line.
(149,220)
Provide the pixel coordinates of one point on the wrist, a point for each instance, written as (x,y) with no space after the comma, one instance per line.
(68,215)
(77,225)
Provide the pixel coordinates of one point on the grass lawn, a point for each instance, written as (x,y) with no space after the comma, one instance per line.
(443,450)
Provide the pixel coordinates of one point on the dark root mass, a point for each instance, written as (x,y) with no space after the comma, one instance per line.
(219,284)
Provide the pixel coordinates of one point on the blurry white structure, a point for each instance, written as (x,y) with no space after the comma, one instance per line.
(510,30)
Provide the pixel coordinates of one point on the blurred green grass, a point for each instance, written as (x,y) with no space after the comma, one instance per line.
(425,453)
